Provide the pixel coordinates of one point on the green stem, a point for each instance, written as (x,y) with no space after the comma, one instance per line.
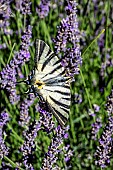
(12,163)
(11,53)
(87,93)
(24,21)
(95,39)
(15,134)
(72,126)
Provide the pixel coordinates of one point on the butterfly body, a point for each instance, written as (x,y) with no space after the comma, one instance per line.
(50,82)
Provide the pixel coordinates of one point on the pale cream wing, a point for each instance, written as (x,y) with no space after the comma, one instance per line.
(56,90)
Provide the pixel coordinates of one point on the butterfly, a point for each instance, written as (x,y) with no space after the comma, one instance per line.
(49,81)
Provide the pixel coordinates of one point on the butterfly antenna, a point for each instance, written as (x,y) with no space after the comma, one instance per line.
(20,82)
(23,81)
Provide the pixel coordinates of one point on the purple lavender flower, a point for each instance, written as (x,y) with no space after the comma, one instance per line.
(4,24)
(77,98)
(53,150)
(91,112)
(43,9)
(56,4)
(8,31)
(5,14)
(5,11)
(25,6)
(8,74)
(24,115)
(19,73)
(3,46)
(45,117)
(44,123)
(105,148)
(6,166)
(106,64)
(4,117)
(95,128)
(96,107)
(67,153)
(28,147)
(97,124)
(67,41)
(104,72)
(18,5)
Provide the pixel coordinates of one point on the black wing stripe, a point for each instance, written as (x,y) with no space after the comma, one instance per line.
(63,93)
(53,84)
(56,80)
(48,90)
(66,86)
(39,49)
(42,47)
(55,69)
(61,118)
(59,103)
(50,79)
(57,62)
(53,89)
(65,110)
(47,61)
(60,85)
(49,53)
(65,98)
(60,74)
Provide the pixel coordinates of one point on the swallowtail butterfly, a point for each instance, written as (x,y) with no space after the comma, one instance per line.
(49,81)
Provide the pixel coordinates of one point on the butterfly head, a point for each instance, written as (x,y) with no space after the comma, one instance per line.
(39,84)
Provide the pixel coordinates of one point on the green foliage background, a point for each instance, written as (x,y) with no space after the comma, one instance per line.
(90,25)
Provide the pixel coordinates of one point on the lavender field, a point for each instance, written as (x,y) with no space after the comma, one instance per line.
(80,33)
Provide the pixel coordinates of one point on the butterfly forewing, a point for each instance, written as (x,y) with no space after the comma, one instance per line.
(56,89)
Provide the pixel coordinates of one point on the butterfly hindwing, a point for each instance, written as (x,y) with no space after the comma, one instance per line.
(56,91)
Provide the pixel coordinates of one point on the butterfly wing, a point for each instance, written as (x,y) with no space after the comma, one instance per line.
(56,89)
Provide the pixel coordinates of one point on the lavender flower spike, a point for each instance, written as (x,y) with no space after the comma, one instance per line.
(24,108)
(4,117)
(43,8)
(5,10)
(67,41)
(25,6)
(53,150)
(45,117)
(105,149)
(29,147)
(8,74)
